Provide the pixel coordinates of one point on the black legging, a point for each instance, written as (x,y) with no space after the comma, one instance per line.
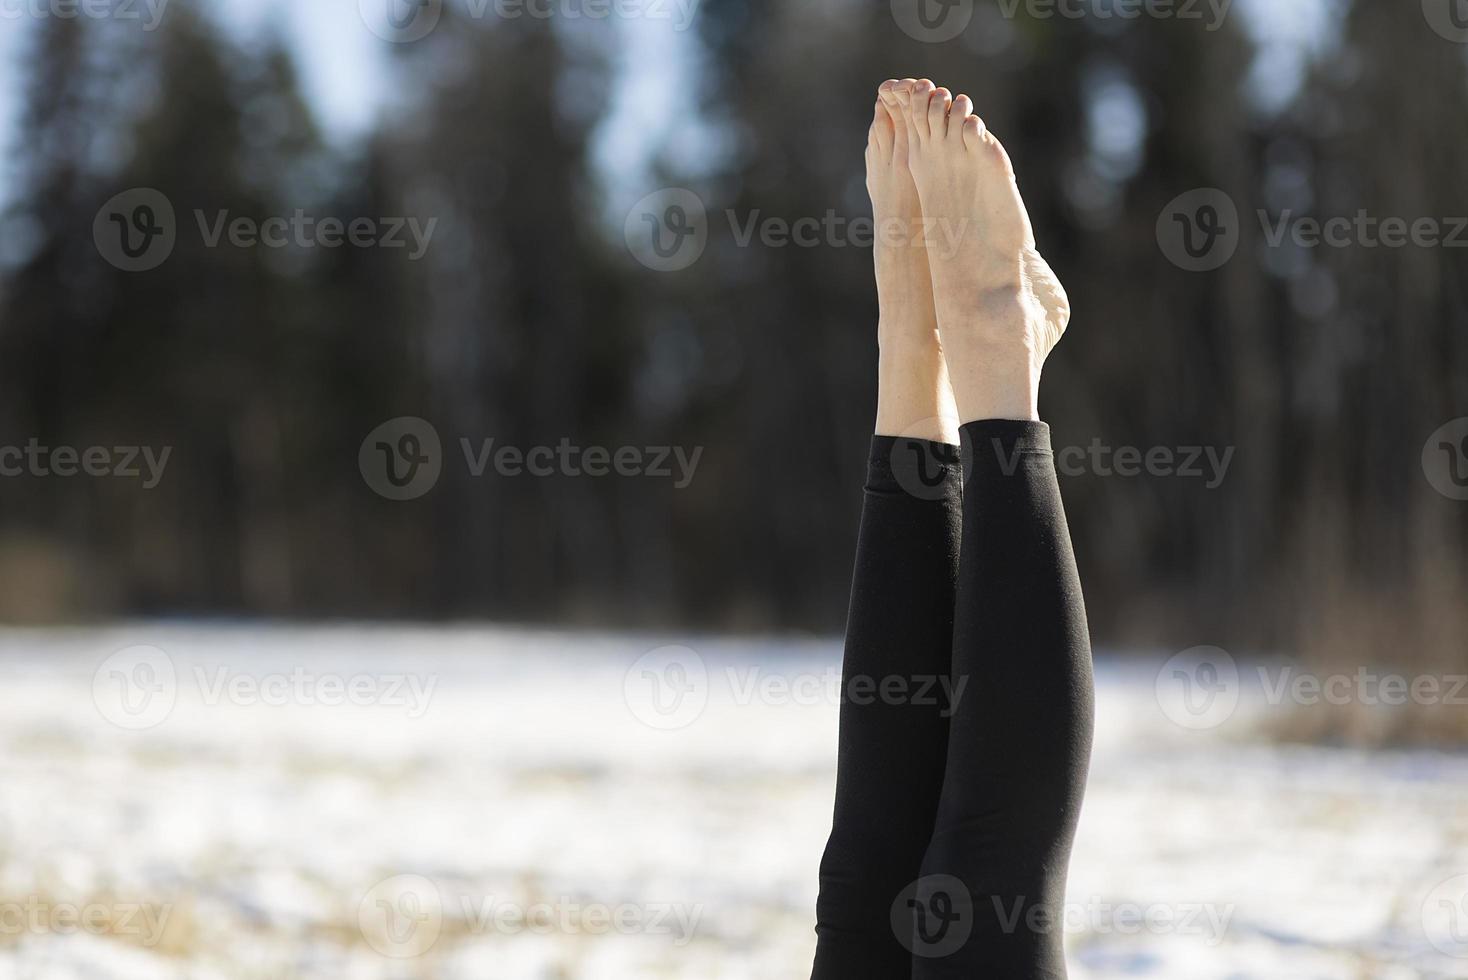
(955,814)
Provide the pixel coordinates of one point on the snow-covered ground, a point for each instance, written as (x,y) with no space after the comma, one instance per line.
(355,803)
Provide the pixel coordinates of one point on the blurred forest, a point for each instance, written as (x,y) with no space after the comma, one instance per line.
(528,321)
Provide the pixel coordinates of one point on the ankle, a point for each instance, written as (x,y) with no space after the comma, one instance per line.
(914,397)
(905,341)
(996,382)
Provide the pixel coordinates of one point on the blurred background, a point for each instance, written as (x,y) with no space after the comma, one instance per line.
(493,359)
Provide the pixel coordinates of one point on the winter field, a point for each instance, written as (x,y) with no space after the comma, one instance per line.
(395,804)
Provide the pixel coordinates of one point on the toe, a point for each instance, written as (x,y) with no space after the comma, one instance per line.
(888,105)
(958,116)
(880,137)
(917,109)
(1001,154)
(938,107)
(973,132)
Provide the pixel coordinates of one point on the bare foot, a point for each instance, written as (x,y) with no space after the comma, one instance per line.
(914,397)
(1000,308)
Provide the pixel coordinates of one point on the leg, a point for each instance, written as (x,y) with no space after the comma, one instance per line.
(991,901)
(899,631)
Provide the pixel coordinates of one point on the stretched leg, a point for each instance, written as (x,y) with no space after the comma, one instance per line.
(993,879)
(900,627)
